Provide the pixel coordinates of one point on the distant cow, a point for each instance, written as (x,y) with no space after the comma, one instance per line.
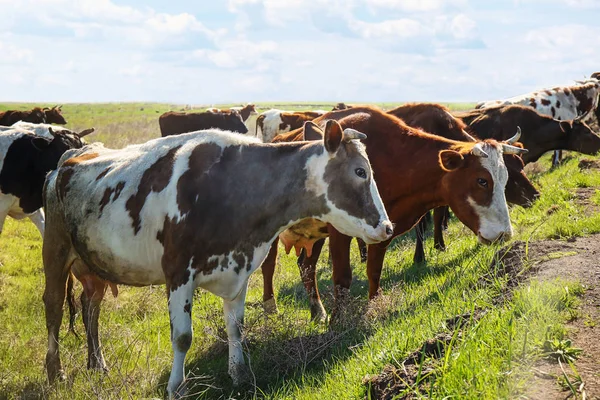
(540,133)
(25,159)
(341,106)
(174,123)
(273,122)
(9,117)
(437,119)
(193,210)
(54,115)
(247,112)
(561,103)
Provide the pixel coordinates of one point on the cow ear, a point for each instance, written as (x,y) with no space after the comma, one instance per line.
(312,131)
(333,136)
(40,143)
(565,126)
(450,160)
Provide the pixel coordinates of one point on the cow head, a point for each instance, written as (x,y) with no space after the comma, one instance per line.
(519,189)
(345,178)
(235,122)
(54,115)
(580,137)
(474,184)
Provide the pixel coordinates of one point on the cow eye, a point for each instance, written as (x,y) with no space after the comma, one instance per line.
(482,182)
(361,172)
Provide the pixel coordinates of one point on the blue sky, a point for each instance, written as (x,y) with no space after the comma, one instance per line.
(207,52)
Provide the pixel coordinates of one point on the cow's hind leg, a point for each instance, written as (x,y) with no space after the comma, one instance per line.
(94,289)
(439,215)
(234,320)
(268,270)
(39,220)
(180,315)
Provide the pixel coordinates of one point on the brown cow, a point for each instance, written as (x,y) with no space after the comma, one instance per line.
(437,119)
(174,123)
(415,172)
(35,115)
(54,115)
(540,132)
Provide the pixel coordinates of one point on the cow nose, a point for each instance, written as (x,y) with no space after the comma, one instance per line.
(389,228)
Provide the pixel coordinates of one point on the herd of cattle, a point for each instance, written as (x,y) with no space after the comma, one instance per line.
(195,208)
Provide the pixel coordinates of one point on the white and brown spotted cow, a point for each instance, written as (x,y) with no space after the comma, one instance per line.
(273,122)
(194,210)
(561,103)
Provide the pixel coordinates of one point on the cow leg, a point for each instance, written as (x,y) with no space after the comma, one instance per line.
(439,215)
(5,204)
(91,298)
(180,315)
(234,320)
(375,258)
(339,248)
(308,273)
(268,270)
(38,219)
(419,256)
(362,249)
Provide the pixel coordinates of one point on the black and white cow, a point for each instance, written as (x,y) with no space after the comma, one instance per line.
(194,210)
(562,103)
(25,159)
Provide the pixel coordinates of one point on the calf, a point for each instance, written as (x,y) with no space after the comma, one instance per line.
(168,212)
(25,159)
(540,132)
(561,103)
(437,119)
(9,117)
(174,123)
(273,122)
(416,172)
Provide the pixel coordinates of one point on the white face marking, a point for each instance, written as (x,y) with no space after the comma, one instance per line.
(494,219)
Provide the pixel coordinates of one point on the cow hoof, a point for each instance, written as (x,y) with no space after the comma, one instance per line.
(240,374)
(318,313)
(270,306)
(180,392)
(57,376)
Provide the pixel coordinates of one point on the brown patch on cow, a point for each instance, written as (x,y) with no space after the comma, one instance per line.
(201,159)
(184,342)
(106,198)
(80,159)
(557,103)
(63,179)
(187,308)
(548,92)
(532,103)
(586,103)
(567,91)
(154,179)
(553,111)
(545,102)
(103,174)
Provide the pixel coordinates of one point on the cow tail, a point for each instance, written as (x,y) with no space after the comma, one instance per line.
(72,305)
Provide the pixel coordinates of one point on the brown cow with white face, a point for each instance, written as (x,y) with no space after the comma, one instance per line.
(168,212)
(274,122)
(415,172)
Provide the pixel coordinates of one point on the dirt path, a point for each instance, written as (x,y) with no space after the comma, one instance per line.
(580,261)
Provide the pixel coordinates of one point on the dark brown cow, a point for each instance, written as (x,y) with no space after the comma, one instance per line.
(174,123)
(244,111)
(540,132)
(415,172)
(35,115)
(437,119)
(54,115)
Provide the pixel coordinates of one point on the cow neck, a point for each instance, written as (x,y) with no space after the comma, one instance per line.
(548,136)
(409,177)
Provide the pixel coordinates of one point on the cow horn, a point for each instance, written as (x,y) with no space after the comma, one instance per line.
(478,151)
(515,138)
(350,134)
(85,132)
(51,131)
(469,137)
(508,149)
(579,117)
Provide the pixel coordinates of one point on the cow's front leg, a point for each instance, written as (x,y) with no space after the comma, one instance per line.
(180,314)
(234,320)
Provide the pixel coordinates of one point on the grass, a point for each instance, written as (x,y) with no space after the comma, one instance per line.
(292,358)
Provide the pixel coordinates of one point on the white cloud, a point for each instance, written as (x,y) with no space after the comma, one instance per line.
(393,29)
(415,5)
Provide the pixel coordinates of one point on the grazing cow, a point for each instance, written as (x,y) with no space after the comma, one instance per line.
(54,115)
(174,123)
(273,122)
(25,159)
(9,117)
(540,132)
(168,212)
(561,103)
(247,112)
(437,119)
(416,172)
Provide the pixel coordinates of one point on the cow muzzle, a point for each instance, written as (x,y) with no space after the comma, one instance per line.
(383,232)
(502,236)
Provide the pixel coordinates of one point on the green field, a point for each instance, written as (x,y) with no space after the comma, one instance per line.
(290,357)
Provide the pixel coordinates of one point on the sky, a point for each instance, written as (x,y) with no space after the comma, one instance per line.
(238,51)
